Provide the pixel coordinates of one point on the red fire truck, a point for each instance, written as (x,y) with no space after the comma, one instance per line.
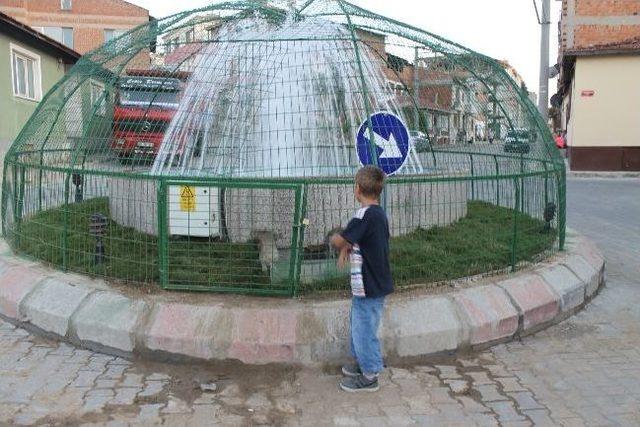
(146,102)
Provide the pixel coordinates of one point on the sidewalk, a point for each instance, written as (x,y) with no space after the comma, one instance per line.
(582,372)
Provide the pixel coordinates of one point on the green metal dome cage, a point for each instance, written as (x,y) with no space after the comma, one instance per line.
(215,150)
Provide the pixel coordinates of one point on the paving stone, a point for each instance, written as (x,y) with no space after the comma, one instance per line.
(448,372)
(458,386)
(175,406)
(125,396)
(480,378)
(151,389)
(525,400)
(540,417)
(505,411)
(510,384)
(490,393)
(51,305)
(132,380)
(109,319)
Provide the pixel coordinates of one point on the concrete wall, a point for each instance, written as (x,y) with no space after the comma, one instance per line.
(410,206)
(609,118)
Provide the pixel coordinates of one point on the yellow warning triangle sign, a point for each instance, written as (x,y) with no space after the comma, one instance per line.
(187,199)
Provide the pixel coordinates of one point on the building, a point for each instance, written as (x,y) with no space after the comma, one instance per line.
(181,44)
(82,25)
(32,64)
(598,95)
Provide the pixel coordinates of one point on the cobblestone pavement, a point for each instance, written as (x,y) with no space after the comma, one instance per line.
(584,371)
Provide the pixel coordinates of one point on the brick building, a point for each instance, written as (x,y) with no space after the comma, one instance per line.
(82,25)
(598,95)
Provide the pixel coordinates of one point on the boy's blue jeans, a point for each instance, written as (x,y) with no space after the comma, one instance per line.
(365,346)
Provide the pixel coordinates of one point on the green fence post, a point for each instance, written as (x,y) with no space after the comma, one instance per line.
(473,181)
(298,239)
(19,200)
(514,242)
(4,201)
(495,159)
(65,226)
(163,249)
(521,183)
(562,202)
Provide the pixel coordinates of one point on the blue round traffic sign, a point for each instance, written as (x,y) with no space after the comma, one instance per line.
(390,141)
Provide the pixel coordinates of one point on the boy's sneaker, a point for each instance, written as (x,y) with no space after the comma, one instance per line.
(352,370)
(359,383)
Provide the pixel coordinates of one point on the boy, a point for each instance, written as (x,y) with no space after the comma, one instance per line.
(365,241)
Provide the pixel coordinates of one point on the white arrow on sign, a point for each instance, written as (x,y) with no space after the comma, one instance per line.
(389,146)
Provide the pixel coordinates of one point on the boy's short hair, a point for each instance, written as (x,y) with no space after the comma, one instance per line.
(370,179)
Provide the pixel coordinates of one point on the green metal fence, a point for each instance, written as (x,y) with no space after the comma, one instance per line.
(215,150)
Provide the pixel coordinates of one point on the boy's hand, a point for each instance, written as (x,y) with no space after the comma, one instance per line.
(343,258)
(339,242)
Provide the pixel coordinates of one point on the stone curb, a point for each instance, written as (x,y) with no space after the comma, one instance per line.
(260,330)
(603,175)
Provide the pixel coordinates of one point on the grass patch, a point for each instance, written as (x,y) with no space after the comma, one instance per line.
(479,243)
(133,256)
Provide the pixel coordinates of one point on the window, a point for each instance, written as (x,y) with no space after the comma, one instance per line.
(110,34)
(65,4)
(62,35)
(211,34)
(98,96)
(25,71)
(189,36)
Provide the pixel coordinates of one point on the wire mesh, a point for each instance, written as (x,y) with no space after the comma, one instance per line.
(215,150)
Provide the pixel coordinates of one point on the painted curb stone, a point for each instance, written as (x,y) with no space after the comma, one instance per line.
(263,335)
(322,332)
(418,327)
(585,272)
(51,306)
(17,282)
(109,319)
(490,314)
(258,330)
(566,284)
(201,332)
(535,300)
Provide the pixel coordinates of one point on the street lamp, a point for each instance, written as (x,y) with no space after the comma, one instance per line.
(98,228)
(78,181)
(549,215)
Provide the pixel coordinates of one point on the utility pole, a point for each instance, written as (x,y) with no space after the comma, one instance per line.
(543,98)
(416,92)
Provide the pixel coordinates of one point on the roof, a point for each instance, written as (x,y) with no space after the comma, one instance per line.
(28,35)
(630,45)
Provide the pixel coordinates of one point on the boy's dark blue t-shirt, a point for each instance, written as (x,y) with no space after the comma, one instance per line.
(369,229)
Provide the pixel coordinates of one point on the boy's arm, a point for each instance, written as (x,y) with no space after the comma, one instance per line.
(343,258)
(339,242)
